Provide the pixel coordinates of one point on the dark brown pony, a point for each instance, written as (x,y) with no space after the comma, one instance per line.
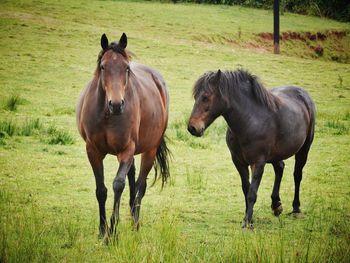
(123,111)
(263,127)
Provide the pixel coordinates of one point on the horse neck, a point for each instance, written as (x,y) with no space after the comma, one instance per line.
(241,113)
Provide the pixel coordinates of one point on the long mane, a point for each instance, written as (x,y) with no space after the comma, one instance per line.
(233,83)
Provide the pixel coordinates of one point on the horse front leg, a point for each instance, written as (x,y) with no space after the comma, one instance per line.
(131,180)
(257,172)
(96,161)
(244,174)
(125,162)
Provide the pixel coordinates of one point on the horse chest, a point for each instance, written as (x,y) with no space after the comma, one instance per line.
(111,139)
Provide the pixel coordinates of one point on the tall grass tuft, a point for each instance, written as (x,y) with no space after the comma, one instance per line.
(12,102)
(27,235)
(336,127)
(346,116)
(30,126)
(160,241)
(7,128)
(59,137)
(195,179)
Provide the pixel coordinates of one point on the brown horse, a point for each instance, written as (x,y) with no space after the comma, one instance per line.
(263,127)
(123,111)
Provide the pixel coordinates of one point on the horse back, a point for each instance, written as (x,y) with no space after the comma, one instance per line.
(151,81)
(297,113)
(278,134)
(296,95)
(154,103)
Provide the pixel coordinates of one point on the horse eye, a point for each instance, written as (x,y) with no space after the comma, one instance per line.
(205,99)
(102,67)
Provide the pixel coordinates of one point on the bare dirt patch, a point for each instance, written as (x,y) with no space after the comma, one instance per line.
(304,36)
(328,45)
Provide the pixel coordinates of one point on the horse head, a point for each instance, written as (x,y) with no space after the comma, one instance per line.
(114,73)
(208,103)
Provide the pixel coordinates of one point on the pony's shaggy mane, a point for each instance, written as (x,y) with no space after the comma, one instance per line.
(232,82)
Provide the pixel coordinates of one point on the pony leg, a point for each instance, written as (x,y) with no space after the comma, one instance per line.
(300,161)
(131,180)
(275,196)
(96,159)
(147,161)
(125,162)
(244,174)
(257,172)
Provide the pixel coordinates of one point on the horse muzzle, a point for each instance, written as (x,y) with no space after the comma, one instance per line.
(116,108)
(198,132)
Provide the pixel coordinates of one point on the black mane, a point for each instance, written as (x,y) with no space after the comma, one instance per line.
(233,83)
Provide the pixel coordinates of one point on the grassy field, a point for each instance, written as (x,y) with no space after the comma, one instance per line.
(48,210)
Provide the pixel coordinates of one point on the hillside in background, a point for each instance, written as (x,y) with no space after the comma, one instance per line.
(49,212)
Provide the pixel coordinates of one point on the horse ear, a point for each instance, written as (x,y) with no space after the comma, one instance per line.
(123,41)
(104,41)
(217,77)
(218,74)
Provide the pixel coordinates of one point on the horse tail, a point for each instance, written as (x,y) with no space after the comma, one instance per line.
(161,162)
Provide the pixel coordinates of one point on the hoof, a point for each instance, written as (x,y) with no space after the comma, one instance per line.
(111,239)
(246,225)
(135,226)
(296,213)
(277,209)
(103,230)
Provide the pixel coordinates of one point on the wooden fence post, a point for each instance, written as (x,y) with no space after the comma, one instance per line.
(276,26)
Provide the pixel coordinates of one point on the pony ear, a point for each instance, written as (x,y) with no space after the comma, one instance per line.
(104,41)
(123,41)
(217,77)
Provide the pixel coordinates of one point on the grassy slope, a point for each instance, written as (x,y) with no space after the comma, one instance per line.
(48,209)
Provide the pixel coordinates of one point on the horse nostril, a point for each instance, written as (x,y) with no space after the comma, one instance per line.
(116,108)
(191,129)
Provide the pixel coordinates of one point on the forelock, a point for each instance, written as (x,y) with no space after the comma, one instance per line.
(203,83)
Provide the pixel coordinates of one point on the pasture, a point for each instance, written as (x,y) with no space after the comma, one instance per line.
(48,209)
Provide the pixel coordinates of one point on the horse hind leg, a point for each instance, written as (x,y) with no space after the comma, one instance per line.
(147,161)
(300,161)
(275,196)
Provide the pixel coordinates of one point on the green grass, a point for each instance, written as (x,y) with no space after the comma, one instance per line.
(59,137)
(47,191)
(12,102)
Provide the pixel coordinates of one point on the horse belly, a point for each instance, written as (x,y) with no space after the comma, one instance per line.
(290,137)
(149,137)
(152,126)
